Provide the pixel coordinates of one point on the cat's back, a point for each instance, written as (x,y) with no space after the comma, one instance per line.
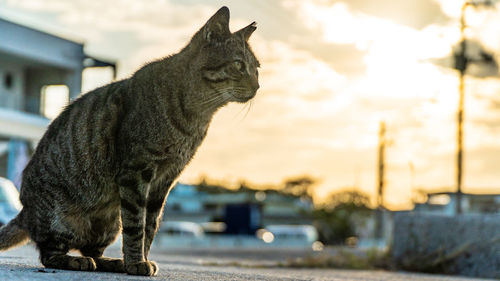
(78,148)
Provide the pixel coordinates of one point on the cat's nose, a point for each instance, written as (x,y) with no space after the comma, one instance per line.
(255,84)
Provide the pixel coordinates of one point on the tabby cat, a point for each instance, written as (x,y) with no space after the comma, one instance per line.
(108,161)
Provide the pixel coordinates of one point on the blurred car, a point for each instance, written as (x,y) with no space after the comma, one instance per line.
(290,236)
(9,201)
(179,234)
(214,228)
(182,228)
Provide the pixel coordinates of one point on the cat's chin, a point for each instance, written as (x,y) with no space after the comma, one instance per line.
(243,99)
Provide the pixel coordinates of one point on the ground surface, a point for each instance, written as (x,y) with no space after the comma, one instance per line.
(209,264)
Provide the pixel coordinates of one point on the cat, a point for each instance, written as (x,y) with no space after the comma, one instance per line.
(108,161)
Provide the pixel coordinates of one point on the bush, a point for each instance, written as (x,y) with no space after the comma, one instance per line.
(335,220)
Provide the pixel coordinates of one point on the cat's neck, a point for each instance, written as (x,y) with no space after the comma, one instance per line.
(177,88)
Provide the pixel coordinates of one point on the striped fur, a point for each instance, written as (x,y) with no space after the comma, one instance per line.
(109,160)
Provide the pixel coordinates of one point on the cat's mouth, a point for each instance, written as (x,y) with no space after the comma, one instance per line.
(244,99)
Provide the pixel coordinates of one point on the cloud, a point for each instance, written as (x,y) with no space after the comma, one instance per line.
(413,13)
(157,26)
(310,113)
(288,68)
(331,71)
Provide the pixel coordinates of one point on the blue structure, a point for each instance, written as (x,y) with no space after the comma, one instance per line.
(242,218)
(243,212)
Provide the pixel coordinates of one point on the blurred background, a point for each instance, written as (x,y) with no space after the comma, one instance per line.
(366,108)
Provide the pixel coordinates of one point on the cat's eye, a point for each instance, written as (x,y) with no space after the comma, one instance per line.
(238,64)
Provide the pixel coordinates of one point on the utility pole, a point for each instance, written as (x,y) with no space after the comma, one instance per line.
(461,63)
(412,176)
(461,66)
(379,223)
(381,165)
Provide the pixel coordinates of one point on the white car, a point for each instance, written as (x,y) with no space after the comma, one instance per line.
(9,201)
(182,228)
(179,234)
(290,236)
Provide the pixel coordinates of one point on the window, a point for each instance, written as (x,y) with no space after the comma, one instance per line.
(8,81)
(94,77)
(53,100)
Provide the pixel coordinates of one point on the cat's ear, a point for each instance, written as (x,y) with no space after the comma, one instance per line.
(217,27)
(247,31)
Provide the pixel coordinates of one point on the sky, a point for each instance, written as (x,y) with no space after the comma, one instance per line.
(331,72)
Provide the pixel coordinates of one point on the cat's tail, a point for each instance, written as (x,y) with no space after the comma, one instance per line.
(13,234)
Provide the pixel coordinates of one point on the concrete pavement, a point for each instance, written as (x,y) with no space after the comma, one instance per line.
(22,264)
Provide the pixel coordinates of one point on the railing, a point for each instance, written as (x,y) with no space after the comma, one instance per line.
(14,123)
(10,101)
(20,103)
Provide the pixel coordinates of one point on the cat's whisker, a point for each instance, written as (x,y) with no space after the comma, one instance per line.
(249,107)
(241,110)
(209,101)
(218,100)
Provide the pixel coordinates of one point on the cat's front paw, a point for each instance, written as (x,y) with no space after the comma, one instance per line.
(146,268)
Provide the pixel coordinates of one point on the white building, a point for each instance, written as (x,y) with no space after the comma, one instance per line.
(36,68)
(191,203)
(445,203)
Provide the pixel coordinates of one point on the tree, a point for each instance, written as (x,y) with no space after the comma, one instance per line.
(299,186)
(336,220)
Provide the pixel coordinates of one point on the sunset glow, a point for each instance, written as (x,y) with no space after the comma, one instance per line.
(331,72)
